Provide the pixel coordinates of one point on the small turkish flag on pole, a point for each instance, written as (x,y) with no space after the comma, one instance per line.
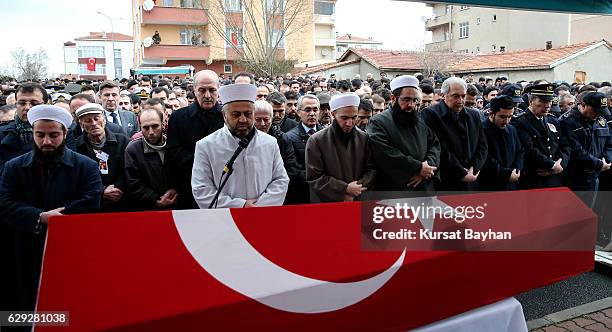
(91,64)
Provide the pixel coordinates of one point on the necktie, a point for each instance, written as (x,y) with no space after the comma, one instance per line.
(311,132)
(114,116)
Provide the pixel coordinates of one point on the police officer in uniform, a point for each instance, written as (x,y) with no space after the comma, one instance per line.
(590,141)
(546,151)
(515,92)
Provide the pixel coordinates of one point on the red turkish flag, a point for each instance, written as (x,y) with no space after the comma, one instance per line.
(266,269)
(91,64)
(235,38)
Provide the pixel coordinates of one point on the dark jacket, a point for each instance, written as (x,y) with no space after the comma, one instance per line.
(115,148)
(11,146)
(543,145)
(145,176)
(288,124)
(298,192)
(73,183)
(287,153)
(398,152)
(186,127)
(505,153)
(463,143)
(589,142)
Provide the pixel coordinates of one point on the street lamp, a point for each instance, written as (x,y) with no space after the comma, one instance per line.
(112,34)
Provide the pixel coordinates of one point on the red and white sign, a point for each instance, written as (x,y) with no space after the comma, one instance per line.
(234,38)
(294,268)
(91,64)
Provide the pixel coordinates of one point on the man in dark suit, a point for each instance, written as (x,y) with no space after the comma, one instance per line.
(459,129)
(187,126)
(109,96)
(308,113)
(505,154)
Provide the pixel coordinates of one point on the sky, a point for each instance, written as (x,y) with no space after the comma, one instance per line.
(34,24)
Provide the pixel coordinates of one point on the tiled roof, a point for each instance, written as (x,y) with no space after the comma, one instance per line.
(109,36)
(326,66)
(355,39)
(518,59)
(402,60)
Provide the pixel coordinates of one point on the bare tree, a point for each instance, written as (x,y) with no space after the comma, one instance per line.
(438,61)
(256,30)
(30,66)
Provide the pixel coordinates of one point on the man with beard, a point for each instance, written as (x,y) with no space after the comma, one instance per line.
(338,158)
(107,149)
(145,172)
(291,105)
(546,151)
(502,168)
(264,122)
(257,177)
(279,119)
(308,108)
(406,152)
(364,114)
(109,95)
(186,127)
(325,116)
(459,129)
(46,182)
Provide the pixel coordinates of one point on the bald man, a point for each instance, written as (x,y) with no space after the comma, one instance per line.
(188,125)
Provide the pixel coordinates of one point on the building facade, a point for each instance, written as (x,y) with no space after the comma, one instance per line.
(478,30)
(190,33)
(347,41)
(113,54)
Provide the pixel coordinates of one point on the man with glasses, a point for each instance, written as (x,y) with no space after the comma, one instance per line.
(16,137)
(308,111)
(405,151)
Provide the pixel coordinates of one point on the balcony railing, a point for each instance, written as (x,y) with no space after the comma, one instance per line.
(175,15)
(177,52)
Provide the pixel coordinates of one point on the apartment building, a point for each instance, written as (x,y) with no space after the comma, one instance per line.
(347,41)
(113,54)
(189,33)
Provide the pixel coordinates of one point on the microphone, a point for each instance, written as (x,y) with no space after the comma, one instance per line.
(241,146)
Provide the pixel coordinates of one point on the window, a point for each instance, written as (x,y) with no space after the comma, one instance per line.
(494,18)
(274,6)
(168,3)
(118,65)
(448,9)
(374,47)
(276,35)
(478,20)
(100,69)
(227,69)
(464,30)
(233,5)
(447,35)
(191,37)
(493,47)
(502,48)
(477,49)
(91,51)
(190,3)
(464,7)
(234,34)
(324,8)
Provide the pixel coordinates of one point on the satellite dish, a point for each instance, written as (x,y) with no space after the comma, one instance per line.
(148,5)
(209,61)
(147,42)
(324,52)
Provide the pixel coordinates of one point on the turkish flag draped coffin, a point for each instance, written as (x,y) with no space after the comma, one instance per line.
(274,269)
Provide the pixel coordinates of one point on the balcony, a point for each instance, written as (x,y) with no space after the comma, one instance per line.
(437,21)
(177,52)
(175,16)
(325,19)
(325,42)
(438,46)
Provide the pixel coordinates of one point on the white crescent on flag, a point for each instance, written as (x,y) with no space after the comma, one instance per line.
(91,61)
(219,247)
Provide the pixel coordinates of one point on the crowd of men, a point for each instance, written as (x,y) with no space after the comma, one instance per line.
(217,142)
